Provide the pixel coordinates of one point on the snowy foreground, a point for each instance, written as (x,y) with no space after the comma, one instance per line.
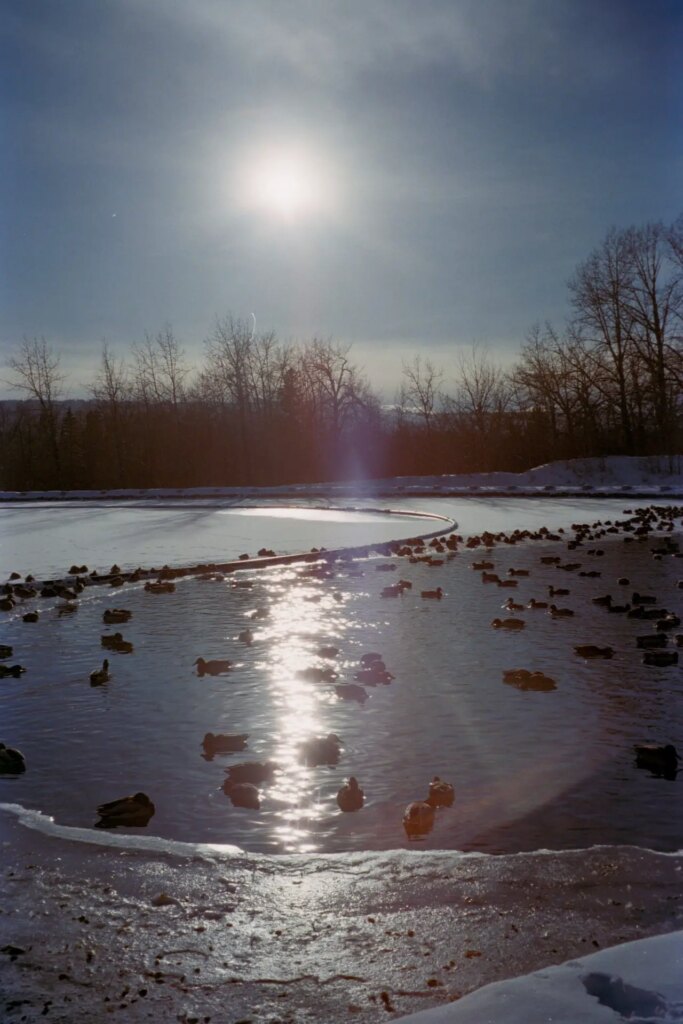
(649,475)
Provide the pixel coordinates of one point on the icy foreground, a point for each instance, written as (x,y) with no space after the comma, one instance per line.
(136,928)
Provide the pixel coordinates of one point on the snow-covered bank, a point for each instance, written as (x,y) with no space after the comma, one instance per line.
(640,981)
(646,475)
(321,938)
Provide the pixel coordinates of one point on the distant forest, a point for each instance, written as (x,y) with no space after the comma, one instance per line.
(258,411)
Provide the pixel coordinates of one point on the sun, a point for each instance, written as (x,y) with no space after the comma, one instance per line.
(287,185)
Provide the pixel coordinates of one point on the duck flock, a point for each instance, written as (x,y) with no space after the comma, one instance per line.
(655,629)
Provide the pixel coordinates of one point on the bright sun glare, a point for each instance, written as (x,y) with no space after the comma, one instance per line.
(287,185)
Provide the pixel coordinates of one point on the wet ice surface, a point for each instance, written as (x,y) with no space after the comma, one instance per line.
(323,938)
(531,770)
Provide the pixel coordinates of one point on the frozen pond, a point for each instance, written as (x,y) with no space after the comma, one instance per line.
(531,769)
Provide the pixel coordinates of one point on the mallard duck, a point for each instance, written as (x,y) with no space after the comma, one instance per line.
(242,794)
(246,637)
(31,616)
(512,606)
(523,679)
(643,598)
(518,572)
(533,603)
(441,794)
(482,566)
(418,818)
(657,757)
(116,615)
(6,651)
(212,668)
(558,591)
(115,642)
(394,591)
(591,651)
(350,797)
(508,623)
(660,658)
(367,659)
(321,750)
(255,772)
(100,675)
(652,641)
(11,670)
(12,762)
(327,652)
(68,608)
(160,587)
(434,595)
(317,675)
(221,743)
(490,577)
(6,604)
(560,613)
(375,674)
(129,811)
(605,601)
(351,691)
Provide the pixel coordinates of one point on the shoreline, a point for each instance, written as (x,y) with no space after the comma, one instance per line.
(315,937)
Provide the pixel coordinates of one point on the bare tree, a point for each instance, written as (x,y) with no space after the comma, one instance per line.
(111,389)
(37,374)
(421,389)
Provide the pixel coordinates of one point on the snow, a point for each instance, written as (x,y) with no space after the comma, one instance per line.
(638,981)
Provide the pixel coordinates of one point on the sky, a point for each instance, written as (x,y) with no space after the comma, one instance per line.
(405,176)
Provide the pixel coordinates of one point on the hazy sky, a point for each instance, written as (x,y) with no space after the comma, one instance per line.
(405,175)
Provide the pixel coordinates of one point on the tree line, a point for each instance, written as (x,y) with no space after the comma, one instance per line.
(259,411)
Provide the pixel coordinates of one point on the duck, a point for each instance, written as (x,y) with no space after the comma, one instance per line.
(518,572)
(418,818)
(351,691)
(327,652)
(6,604)
(643,598)
(560,613)
(441,794)
(661,659)
(111,616)
(591,651)
(242,794)
(12,762)
(374,674)
(246,637)
(434,595)
(533,603)
(11,670)
(68,608)
(6,651)
(512,606)
(367,659)
(482,566)
(508,623)
(221,743)
(129,811)
(100,675)
(321,750)
(652,641)
(317,675)
(31,616)
(255,772)
(160,587)
(603,602)
(490,577)
(212,668)
(524,679)
(115,642)
(624,581)
(659,758)
(508,584)
(350,797)
(393,591)
(558,591)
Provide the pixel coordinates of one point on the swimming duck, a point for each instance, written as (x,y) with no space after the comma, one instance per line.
(482,566)
(435,595)
(512,606)
(508,623)
(533,603)
(100,675)
(441,794)
(116,615)
(255,772)
(591,651)
(212,668)
(115,642)
(321,750)
(603,602)
(643,599)
(68,608)
(246,637)
(659,758)
(558,591)
(6,604)
(518,572)
(660,658)
(560,613)
(652,641)
(160,587)
(418,818)
(242,794)
(327,652)
(12,762)
(11,670)
(351,691)
(394,591)
(129,811)
(31,616)
(367,659)
(317,675)
(221,743)
(6,651)
(523,679)
(374,674)
(350,797)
